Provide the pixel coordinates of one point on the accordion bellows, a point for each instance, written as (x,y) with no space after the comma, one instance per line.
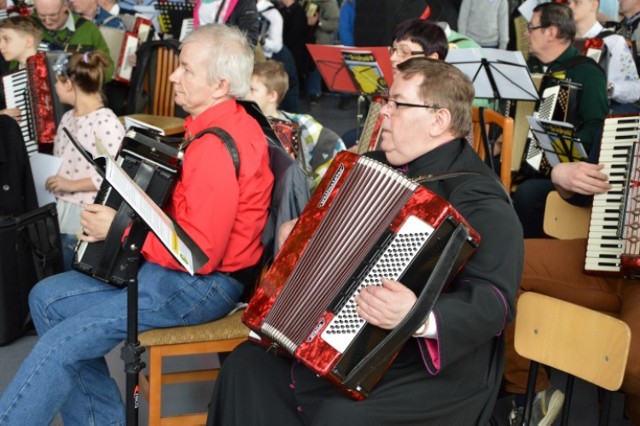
(365,221)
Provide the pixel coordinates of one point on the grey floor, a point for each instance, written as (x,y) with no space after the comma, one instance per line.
(187,398)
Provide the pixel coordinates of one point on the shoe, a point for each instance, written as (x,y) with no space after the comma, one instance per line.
(314,100)
(547,405)
(515,416)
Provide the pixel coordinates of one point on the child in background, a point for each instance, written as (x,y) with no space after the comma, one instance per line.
(79,81)
(19,40)
(269,83)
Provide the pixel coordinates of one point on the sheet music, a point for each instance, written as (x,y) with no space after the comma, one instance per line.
(151,214)
(557,141)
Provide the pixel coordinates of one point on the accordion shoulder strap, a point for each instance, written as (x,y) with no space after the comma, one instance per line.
(226,139)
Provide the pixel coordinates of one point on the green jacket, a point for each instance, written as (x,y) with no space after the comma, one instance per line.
(87,36)
(594,103)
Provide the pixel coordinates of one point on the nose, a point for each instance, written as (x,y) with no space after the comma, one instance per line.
(173,78)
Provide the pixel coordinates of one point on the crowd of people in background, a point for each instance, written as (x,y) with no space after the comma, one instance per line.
(278,73)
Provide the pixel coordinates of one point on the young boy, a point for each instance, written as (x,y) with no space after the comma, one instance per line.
(19,39)
(269,84)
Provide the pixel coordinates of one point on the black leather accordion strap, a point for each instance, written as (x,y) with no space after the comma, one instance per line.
(121,221)
(380,358)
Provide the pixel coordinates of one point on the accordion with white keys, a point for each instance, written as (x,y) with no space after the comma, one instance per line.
(364,222)
(613,246)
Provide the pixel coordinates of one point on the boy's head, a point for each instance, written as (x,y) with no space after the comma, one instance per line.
(269,84)
(19,38)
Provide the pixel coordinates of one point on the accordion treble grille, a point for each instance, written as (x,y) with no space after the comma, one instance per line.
(337,248)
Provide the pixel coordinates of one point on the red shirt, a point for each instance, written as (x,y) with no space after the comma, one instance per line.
(223,214)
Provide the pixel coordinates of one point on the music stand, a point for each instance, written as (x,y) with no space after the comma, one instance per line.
(147,216)
(330,61)
(556,139)
(364,71)
(499,74)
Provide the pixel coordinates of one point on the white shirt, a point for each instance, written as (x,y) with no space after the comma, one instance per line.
(621,72)
(273,37)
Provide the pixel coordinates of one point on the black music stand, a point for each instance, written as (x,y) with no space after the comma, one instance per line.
(495,73)
(147,216)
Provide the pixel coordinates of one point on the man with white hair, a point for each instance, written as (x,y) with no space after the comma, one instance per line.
(80,319)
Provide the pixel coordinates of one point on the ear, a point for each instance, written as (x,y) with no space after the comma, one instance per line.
(273,96)
(441,124)
(221,88)
(552,32)
(434,55)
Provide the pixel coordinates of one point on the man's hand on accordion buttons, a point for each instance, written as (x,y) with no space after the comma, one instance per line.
(385,306)
(579,178)
(95,220)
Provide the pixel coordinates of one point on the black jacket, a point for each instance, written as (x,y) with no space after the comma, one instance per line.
(17,192)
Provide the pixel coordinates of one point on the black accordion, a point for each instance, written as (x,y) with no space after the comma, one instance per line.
(559,100)
(154,164)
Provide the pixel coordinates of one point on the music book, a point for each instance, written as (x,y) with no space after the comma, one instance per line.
(365,71)
(557,140)
(171,235)
(331,61)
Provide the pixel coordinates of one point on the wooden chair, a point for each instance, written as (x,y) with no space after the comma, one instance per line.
(581,342)
(210,338)
(563,220)
(506,124)
(151,92)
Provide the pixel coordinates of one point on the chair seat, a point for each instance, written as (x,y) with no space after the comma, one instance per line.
(230,327)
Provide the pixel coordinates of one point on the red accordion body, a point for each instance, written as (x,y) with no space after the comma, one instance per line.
(365,221)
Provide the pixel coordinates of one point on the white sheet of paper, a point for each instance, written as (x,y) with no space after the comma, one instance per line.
(526,8)
(43,166)
(150,213)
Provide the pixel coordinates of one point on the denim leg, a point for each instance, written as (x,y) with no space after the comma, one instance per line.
(80,320)
(69,242)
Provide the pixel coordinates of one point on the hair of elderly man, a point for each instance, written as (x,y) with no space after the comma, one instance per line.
(230,55)
(427,34)
(559,16)
(443,85)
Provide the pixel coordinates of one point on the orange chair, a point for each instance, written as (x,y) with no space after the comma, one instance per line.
(506,123)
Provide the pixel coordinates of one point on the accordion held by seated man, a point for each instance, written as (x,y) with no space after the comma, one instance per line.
(365,221)
(154,166)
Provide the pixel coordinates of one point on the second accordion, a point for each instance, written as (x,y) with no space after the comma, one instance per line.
(364,222)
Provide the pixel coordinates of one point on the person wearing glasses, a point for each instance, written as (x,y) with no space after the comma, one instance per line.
(550,35)
(63,30)
(416,37)
(450,371)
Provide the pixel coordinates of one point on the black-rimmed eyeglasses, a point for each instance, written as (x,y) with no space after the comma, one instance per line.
(394,105)
(537,27)
(404,51)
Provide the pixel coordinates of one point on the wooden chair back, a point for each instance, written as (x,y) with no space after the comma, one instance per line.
(579,341)
(506,123)
(563,220)
(161,94)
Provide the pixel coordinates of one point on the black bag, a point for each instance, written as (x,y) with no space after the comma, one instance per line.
(30,250)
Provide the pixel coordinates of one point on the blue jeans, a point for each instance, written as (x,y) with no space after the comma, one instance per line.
(80,320)
(69,242)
